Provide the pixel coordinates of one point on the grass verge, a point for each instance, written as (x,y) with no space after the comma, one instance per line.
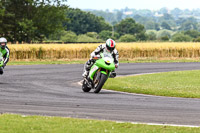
(82,61)
(45,62)
(34,124)
(173,84)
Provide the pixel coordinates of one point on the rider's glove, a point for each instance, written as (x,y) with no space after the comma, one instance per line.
(96,57)
(113,74)
(116,66)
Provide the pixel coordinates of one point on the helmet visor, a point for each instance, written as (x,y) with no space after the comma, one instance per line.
(3,45)
(109,48)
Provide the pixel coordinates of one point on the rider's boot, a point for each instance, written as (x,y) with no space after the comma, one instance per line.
(85,73)
(87,67)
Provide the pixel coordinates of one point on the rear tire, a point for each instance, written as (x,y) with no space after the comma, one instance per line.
(101,83)
(85,88)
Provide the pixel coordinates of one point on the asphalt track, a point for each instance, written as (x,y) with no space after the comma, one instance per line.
(52,90)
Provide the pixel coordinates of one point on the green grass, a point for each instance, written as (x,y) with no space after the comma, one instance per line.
(37,124)
(76,61)
(144,60)
(173,84)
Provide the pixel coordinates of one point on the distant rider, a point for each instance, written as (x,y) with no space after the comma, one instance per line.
(4,50)
(108,47)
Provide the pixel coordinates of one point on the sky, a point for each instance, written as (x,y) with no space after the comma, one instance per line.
(137,4)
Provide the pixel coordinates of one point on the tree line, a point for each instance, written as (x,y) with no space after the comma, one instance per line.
(52,20)
(38,20)
(87,27)
(176,19)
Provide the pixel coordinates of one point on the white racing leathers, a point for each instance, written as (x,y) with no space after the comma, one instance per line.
(102,48)
(96,52)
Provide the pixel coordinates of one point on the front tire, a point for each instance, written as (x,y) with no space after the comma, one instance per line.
(100,83)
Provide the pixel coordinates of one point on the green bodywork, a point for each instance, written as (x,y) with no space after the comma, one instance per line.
(100,63)
(2,53)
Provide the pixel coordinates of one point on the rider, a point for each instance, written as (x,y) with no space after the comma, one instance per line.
(5,52)
(108,47)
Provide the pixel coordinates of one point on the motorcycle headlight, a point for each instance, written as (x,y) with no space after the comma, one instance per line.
(107,62)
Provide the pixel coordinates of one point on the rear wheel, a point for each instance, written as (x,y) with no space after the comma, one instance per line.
(100,83)
(85,88)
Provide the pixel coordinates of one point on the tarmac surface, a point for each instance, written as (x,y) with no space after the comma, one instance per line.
(53,90)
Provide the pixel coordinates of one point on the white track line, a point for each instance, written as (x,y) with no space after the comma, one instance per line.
(156,124)
(151,124)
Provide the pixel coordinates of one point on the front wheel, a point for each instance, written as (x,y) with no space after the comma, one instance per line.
(100,84)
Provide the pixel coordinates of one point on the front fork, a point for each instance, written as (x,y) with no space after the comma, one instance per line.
(94,75)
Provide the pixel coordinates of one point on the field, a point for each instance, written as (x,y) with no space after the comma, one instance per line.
(127,51)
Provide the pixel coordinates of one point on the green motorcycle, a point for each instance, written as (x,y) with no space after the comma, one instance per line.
(99,73)
(1,60)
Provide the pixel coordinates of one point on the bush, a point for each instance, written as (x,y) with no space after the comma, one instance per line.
(69,36)
(151,35)
(105,34)
(85,38)
(192,33)
(180,37)
(141,36)
(116,35)
(165,38)
(128,38)
(92,34)
(162,33)
(196,39)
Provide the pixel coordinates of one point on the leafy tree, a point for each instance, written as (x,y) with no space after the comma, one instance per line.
(167,16)
(105,34)
(180,37)
(116,35)
(82,22)
(188,25)
(141,36)
(128,38)
(151,35)
(92,34)
(165,38)
(85,38)
(49,19)
(108,16)
(196,39)
(129,26)
(69,36)
(57,35)
(192,33)
(165,25)
(27,20)
(150,25)
(162,33)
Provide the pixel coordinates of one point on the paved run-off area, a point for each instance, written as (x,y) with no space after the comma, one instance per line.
(53,90)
